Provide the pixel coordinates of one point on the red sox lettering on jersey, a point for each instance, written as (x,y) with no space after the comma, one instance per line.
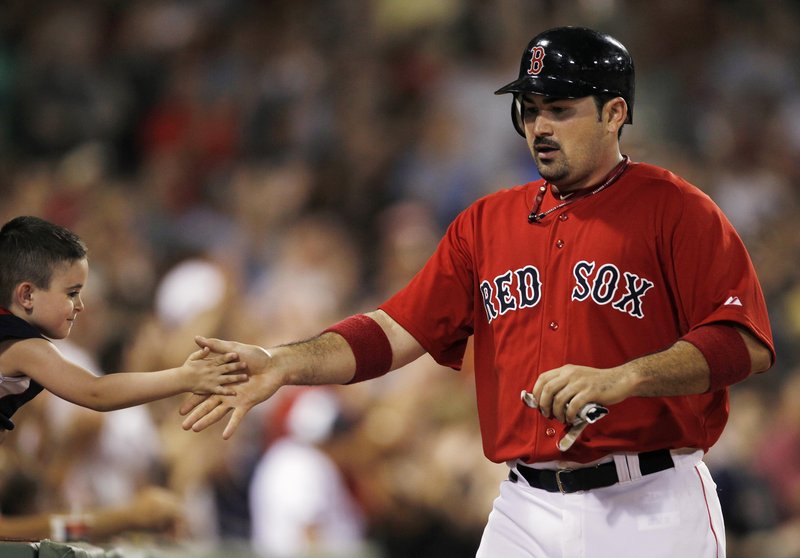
(522,288)
(599,282)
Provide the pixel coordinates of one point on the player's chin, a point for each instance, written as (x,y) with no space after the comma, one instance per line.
(550,169)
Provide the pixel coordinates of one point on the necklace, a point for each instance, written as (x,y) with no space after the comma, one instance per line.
(536,217)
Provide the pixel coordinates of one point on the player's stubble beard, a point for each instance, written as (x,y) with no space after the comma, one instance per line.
(552,170)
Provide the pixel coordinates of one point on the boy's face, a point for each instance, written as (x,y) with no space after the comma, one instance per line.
(53,310)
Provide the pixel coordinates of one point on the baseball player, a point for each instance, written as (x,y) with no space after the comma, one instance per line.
(612,304)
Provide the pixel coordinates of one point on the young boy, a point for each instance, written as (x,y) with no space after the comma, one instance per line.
(43,268)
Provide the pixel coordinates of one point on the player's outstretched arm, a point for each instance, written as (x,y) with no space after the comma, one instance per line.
(325,359)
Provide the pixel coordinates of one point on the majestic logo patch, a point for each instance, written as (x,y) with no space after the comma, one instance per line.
(733,301)
(537,61)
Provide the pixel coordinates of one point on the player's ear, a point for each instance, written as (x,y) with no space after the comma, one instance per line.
(24,295)
(615,114)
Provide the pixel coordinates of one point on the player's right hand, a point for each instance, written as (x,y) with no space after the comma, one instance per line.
(203,411)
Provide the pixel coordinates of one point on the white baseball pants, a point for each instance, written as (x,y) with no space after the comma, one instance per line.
(669,514)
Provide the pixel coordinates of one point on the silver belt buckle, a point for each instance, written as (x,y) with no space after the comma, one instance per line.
(558,479)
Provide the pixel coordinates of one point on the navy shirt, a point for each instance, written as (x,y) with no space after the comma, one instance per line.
(15,391)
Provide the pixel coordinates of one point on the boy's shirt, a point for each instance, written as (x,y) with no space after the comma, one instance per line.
(15,391)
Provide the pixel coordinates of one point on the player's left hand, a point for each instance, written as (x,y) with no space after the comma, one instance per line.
(562,392)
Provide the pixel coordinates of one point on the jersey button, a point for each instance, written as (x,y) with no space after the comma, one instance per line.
(550,432)
(559,243)
(563,217)
(554,325)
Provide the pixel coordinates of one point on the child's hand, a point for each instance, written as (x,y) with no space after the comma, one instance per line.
(214,373)
(201,412)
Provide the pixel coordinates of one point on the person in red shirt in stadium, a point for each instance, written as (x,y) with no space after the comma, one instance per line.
(612,305)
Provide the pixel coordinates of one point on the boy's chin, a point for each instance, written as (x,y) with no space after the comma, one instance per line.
(61,334)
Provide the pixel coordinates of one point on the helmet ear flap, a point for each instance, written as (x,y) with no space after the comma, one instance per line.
(516,115)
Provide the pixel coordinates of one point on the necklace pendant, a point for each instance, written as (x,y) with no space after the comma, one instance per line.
(566,199)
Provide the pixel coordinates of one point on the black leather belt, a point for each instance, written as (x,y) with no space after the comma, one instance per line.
(574,480)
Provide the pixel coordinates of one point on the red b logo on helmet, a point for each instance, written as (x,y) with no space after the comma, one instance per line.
(537,61)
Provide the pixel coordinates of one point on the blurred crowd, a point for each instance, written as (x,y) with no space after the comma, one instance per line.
(256,170)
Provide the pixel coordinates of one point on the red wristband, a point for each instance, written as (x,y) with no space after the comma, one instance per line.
(369,344)
(725,352)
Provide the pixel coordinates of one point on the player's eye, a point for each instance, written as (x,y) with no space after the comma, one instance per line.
(530,111)
(560,111)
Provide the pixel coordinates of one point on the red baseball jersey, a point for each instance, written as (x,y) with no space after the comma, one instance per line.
(606,279)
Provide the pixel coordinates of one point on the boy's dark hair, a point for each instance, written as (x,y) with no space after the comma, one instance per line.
(30,249)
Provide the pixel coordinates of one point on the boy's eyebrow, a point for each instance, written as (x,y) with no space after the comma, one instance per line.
(75,286)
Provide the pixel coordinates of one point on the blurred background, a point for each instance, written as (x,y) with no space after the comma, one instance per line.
(256,170)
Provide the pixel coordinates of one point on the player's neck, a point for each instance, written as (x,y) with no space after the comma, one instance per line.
(597,181)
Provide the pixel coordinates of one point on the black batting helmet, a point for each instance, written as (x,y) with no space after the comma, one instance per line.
(572,62)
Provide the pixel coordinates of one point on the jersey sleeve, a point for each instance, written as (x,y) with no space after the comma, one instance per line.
(714,276)
(436,307)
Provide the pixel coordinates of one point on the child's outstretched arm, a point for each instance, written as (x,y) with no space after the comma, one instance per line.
(41,360)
